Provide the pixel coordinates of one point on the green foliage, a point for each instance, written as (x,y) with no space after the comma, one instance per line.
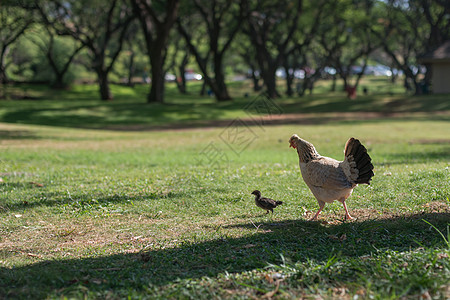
(23,57)
(61,49)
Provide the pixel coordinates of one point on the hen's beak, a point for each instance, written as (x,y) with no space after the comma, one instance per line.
(291,145)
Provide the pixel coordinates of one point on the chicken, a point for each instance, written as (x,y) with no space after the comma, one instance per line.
(329,179)
(265,203)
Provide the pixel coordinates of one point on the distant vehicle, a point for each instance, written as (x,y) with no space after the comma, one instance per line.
(188,76)
(170,77)
(378,70)
(330,70)
(328,73)
(192,76)
(355,70)
(298,73)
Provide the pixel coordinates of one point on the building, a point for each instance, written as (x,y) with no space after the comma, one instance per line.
(439,62)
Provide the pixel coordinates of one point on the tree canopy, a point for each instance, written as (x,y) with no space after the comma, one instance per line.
(57,41)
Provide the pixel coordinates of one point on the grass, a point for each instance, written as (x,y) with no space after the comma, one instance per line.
(168,214)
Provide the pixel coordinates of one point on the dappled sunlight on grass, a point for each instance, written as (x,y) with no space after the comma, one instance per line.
(80,107)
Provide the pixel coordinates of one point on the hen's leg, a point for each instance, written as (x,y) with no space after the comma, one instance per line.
(347,215)
(321,205)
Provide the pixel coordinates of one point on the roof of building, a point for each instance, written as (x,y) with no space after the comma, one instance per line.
(442,53)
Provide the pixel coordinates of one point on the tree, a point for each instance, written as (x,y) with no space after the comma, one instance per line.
(59,54)
(271,26)
(157,19)
(347,39)
(98,25)
(133,60)
(299,55)
(248,56)
(409,30)
(14,21)
(178,60)
(222,19)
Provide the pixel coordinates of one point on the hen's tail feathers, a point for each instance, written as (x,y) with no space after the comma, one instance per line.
(279,202)
(354,148)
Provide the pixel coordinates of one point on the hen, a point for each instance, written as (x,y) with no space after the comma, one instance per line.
(265,203)
(329,179)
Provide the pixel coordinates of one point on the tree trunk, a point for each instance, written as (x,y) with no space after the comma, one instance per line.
(410,75)
(3,77)
(105,93)
(131,69)
(221,91)
(333,85)
(181,79)
(360,75)
(289,81)
(157,86)
(219,87)
(203,89)
(344,78)
(417,88)
(156,31)
(271,88)
(58,83)
(256,86)
(157,90)
(268,68)
(270,81)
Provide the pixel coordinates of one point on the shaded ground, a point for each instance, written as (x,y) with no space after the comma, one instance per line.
(89,233)
(170,260)
(80,108)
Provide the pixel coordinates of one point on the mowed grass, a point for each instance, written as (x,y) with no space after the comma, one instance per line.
(169,214)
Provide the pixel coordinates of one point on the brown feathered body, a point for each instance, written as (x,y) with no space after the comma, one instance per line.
(330,179)
(265,203)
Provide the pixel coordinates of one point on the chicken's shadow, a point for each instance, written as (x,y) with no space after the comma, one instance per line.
(295,240)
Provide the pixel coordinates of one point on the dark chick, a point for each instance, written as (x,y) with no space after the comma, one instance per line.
(265,203)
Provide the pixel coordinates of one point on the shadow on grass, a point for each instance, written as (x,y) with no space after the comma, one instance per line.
(372,103)
(296,240)
(109,115)
(80,108)
(76,202)
(416,157)
(17,135)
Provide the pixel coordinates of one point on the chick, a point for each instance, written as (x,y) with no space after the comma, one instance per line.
(265,203)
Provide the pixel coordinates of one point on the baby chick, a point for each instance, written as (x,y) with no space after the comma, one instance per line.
(265,203)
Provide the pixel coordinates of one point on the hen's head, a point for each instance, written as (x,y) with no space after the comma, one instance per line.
(257,193)
(305,149)
(293,141)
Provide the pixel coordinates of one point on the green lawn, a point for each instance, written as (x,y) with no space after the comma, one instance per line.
(168,214)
